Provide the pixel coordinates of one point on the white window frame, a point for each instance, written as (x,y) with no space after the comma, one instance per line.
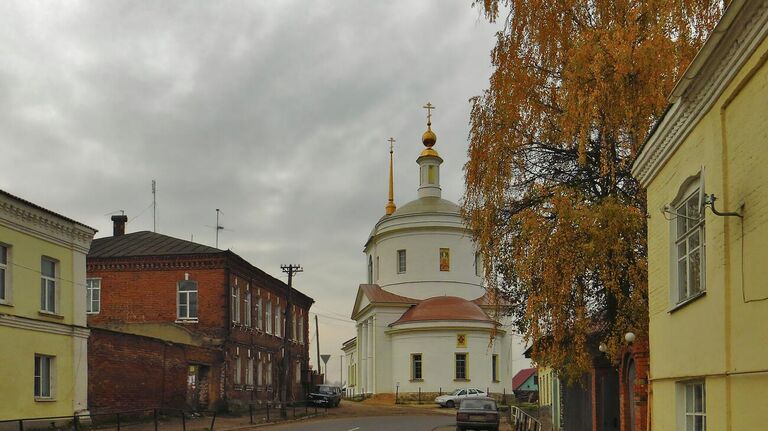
(259,372)
(456,366)
(269,370)
(49,289)
(238,372)
(298,371)
(247,305)
(5,273)
(278,321)
(294,335)
(268,317)
(301,329)
(183,297)
(92,286)
(686,216)
(235,304)
(249,372)
(41,375)
(414,361)
(495,368)
(688,411)
(259,312)
(402,261)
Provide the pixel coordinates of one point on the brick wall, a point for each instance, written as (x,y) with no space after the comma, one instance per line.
(134,372)
(639,353)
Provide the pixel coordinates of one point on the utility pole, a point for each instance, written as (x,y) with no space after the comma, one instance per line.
(290,270)
(154,206)
(341,370)
(317,342)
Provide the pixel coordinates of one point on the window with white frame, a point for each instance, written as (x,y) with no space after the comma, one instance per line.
(478,264)
(401,261)
(48,285)
(695,414)
(235,304)
(268,317)
(495,367)
(293,325)
(44,372)
(298,372)
(187,300)
(4,273)
(92,295)
(247,305)
(370,269)
(416,366)
(238,370)
(460,366)
(269,371)
(278,320)
(259,373)
(301,329)
(249,372)
(259,324)
(689,247)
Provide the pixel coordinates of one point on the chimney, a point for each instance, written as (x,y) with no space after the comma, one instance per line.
(118,226)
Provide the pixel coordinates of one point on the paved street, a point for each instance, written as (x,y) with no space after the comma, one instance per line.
(375,423)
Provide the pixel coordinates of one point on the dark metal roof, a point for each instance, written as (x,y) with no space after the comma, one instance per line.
(46,210)
(146,243)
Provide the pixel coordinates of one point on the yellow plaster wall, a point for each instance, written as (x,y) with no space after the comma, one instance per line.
(723,336)
(27,252)
(20,345)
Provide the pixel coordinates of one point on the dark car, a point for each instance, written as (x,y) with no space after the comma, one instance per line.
(325,395)
(479,413)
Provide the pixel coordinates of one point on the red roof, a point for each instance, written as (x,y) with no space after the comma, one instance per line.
(444,308)
(521,377)
(376,294)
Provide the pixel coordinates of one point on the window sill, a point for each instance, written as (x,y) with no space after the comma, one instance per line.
(45,399)
(416,380)
(496,381)
(186,321)
(461,380)
(50,314)
(687,301)
(6,303)
(92,312)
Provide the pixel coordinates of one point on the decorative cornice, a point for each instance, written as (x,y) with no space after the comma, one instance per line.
(743,27)
(153,263)
(18,215)
(25,323)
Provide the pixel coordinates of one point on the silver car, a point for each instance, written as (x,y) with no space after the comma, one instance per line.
(452,399)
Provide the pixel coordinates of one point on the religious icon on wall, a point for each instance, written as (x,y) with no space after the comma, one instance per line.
(445,259)
(461,340)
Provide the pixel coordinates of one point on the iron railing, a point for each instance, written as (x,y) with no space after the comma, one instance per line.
(522,421)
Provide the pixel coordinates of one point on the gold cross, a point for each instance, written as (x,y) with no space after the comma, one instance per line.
(391,144)
(429,109)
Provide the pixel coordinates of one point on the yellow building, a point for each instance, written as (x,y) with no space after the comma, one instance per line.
(708,257)
(44,362)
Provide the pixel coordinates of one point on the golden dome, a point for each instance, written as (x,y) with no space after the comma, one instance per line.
(429,138)
(429,152)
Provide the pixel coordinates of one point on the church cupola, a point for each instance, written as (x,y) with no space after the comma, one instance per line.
(429,161)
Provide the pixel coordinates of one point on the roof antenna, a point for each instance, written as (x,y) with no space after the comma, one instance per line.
(218,227)
(154,206)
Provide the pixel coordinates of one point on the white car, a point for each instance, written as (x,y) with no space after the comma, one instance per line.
(452,399)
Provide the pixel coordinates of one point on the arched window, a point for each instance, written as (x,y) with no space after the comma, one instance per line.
(370,269)
(688,241)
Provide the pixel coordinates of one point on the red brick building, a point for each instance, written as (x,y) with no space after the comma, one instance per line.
(180,324)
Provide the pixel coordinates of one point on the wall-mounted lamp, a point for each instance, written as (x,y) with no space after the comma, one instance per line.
(629,337)
(602,347)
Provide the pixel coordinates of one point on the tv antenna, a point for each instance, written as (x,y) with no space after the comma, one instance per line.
(218,226)
(154,206)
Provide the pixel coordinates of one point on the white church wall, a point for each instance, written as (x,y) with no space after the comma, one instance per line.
(437,348)
(423,277)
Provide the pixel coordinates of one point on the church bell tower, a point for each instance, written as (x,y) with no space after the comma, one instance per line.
(429,161)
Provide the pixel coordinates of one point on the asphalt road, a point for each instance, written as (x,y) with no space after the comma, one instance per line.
(372,423)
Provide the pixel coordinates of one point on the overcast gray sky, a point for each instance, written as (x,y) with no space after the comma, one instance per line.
(276,112)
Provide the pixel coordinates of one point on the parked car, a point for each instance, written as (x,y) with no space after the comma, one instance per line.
(325,395)
(452,399)
(477,413)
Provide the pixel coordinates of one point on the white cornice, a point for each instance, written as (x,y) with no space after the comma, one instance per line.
(24,218)
(743,27)
(43,326)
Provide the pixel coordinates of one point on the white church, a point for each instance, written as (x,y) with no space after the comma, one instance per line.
(424,321)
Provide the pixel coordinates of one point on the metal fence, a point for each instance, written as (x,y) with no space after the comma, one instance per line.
(522,421)
(167,418)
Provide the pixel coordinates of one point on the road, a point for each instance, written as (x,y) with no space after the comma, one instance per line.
(372,423)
